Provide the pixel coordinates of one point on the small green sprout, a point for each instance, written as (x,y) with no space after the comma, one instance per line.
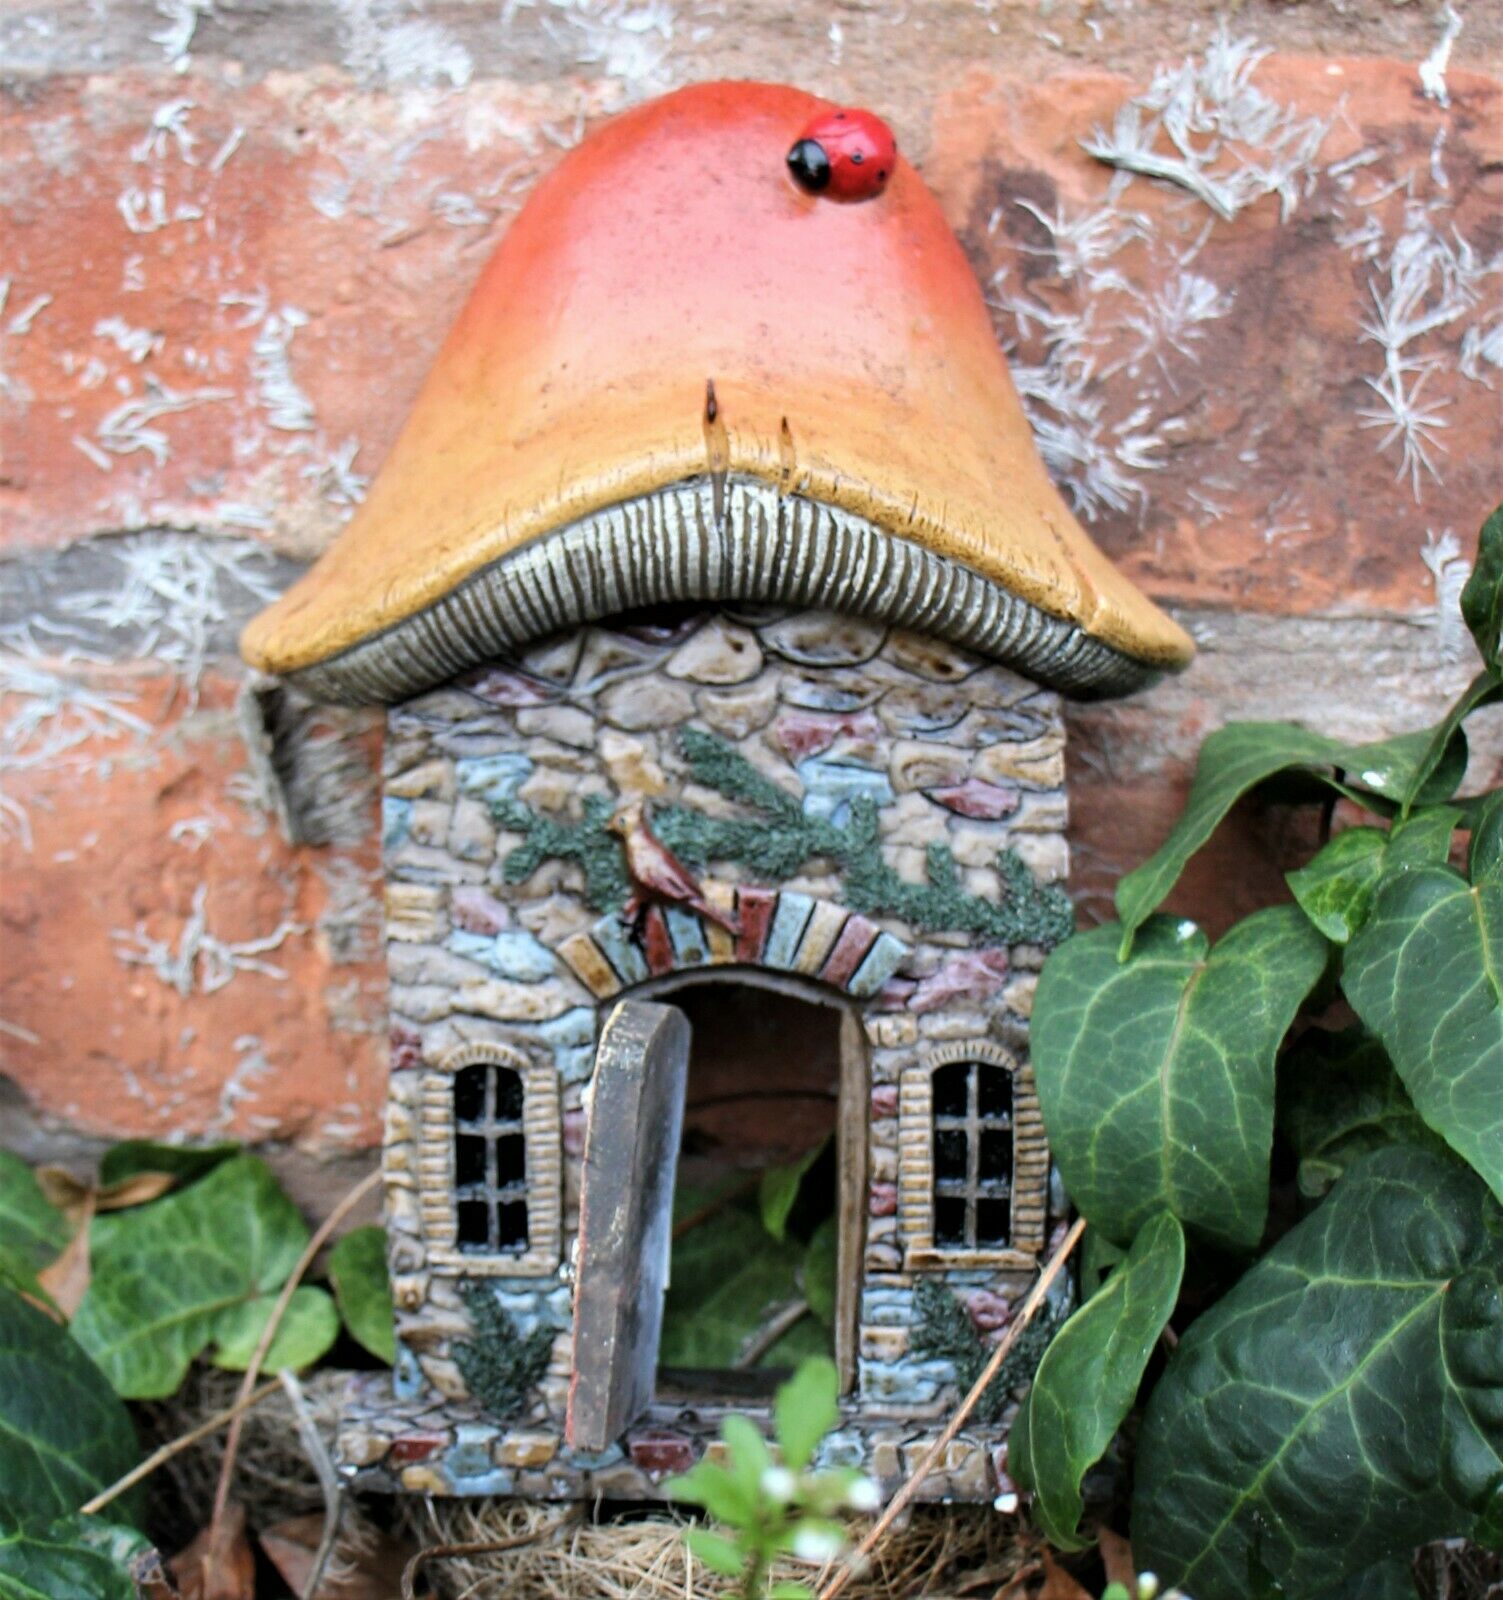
(768,1507)
(1147,1588)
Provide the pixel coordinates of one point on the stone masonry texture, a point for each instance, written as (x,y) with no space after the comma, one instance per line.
(950,750)
(234,235)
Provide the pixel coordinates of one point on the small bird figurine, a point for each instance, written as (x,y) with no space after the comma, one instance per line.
(657,875)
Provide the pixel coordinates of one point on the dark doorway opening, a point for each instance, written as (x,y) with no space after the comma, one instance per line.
(766,1237)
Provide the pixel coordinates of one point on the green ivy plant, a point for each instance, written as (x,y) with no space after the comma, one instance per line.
(1342,1400)
(769,1508)
(189,1276)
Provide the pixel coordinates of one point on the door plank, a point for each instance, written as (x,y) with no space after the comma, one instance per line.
(626,1218)
(851,1157)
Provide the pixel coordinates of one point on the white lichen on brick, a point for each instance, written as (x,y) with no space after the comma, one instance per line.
(200,962)
(1207,128)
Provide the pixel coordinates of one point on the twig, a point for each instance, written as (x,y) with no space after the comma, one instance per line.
(901,1499)
(160,1457)
(483,1547)
(768,1334)
(273,1322)
(328,1480)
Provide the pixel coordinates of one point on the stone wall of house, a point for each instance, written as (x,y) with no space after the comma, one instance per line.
(951,750)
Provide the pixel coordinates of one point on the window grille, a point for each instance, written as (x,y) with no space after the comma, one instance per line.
(973,1154)
(490,1160)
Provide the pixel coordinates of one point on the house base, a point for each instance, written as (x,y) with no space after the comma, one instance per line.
(425,1445)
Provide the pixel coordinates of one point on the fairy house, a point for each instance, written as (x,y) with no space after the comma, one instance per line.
(722,610)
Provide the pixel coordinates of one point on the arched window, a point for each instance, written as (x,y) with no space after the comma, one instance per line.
(972,1154)
(973,1166)
(490,1163)
(490,1160)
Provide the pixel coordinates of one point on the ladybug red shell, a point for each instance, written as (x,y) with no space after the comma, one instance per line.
(844,154)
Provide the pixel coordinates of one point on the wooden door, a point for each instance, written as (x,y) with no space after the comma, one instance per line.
(626,1218)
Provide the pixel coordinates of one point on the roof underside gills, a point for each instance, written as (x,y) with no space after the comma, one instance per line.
(678,544)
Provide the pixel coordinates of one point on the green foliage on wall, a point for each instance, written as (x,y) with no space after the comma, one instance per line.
(943,1330)
(500,1367)
(776,843)
(586,842)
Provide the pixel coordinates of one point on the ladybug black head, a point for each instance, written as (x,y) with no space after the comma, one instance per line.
(809,165)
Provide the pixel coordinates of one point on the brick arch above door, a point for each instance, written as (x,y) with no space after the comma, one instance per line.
(780,931)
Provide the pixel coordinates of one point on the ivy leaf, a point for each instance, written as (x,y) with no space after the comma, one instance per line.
(1340,1404)
(165,1274)
(33,1231)
(1089,1377)
(1426,976)
(71,1558)
(728,1274)
(779,1189)
(1484,862)
(1482,598)
(357,1269)
(1339,1098)
(1483,690)
(64,1434)
(184,1162)
(820,1272)
(1236,759)
(805,1409)
(1156,1074)
(1335,890)
(1387,1580)
(1099,1258)
(309,1326)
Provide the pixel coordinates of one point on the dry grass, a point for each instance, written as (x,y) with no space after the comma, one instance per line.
(942,1551)
(597,1553)
(1456,1570)
(273,1477)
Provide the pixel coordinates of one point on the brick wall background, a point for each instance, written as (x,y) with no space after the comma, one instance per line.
(235,231)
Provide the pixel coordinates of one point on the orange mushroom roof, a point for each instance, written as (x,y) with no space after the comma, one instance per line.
(672,346)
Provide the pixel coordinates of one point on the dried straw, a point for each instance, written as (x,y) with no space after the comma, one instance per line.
(942,1551)
(274,1478)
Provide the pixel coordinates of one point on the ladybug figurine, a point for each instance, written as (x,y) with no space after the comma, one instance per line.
(844,154)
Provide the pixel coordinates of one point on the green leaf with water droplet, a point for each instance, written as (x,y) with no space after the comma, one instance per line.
(1156,1074)
(1238,758)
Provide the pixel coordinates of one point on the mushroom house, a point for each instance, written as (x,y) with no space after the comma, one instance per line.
(723,612)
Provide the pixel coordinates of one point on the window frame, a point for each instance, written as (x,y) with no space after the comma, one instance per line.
(541,1129)
(1028,1215)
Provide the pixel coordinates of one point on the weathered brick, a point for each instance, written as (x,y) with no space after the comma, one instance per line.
(167,966)
(1260,474)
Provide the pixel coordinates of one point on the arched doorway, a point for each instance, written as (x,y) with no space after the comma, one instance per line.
(770,1190)
(776,1082)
